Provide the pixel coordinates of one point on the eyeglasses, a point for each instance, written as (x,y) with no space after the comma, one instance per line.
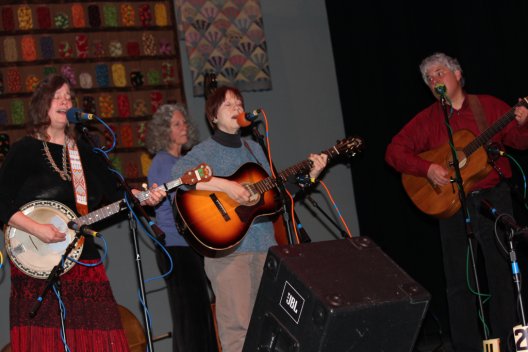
(435,75)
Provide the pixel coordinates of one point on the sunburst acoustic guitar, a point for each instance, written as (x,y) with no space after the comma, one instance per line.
(216,224)
(36,258)
(443,201)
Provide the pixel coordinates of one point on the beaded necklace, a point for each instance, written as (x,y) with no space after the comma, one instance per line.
(64,173)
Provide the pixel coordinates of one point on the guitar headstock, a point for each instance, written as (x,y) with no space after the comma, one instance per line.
(201,173)
(347,147)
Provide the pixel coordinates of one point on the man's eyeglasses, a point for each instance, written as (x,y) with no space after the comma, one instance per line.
(435,75)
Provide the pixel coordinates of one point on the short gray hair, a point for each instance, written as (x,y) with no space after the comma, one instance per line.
(158,128)
(440,58)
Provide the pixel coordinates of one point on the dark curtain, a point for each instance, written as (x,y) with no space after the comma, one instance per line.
(377,48)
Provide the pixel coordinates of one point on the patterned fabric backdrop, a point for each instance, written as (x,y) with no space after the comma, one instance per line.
(225,37)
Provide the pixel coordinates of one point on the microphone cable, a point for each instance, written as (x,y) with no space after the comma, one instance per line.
(338,212)
(160,245)
(523,175)
(292,205)
(100,261)
(270,158)
(104,153)
(62,310)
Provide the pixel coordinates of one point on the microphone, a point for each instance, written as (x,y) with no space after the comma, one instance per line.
(440,89)
(75,115)
(245,119)
(82,229)
(490,211)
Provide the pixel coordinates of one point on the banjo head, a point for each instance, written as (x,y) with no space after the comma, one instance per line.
(34,257)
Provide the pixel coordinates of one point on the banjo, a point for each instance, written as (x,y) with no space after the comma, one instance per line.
(36,258)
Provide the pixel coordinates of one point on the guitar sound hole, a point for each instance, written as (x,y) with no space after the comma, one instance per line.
(462,160)
(254,197)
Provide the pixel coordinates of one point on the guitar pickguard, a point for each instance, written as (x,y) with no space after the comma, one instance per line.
(245,212)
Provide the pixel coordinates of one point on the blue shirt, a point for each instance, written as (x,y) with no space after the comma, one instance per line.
(160,172)
(224,161)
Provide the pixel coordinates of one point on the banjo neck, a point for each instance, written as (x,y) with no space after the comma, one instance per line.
(101,213)
(199,174)
(37,259)
(116,207)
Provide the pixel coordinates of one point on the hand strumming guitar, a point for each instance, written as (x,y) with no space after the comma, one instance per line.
(438,175)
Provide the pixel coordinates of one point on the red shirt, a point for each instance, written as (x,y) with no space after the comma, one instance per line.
(427,131)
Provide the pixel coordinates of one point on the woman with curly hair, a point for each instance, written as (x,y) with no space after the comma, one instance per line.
(40,167)
(169,134)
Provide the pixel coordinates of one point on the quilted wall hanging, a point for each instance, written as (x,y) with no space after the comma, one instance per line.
(225,38)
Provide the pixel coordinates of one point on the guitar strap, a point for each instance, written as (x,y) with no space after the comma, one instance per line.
(478,112)
(482,123)
(251,152)
(79,183)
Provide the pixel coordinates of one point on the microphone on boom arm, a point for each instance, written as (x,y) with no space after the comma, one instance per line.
(245,119)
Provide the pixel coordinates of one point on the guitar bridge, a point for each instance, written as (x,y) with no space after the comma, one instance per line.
(435,187)
(220,207)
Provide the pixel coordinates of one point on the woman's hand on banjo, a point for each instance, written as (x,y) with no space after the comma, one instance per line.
(47,233)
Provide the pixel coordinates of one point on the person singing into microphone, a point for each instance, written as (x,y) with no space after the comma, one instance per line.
(38,167)
(234,278)
(428,131)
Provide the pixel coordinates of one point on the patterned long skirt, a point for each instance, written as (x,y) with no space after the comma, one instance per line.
(92,317)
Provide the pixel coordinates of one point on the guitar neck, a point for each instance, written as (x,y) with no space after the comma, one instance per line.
(269,182)
(304,166)
(116,207)
(493,129)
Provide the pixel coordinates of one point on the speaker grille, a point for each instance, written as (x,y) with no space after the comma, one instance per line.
(332,296)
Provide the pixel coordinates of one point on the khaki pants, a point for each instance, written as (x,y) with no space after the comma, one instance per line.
(235,281)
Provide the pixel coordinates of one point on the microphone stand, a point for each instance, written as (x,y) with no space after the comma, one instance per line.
(52,281)
(133,230)
(280,186)
(325,214)
(516,275)
(463,201)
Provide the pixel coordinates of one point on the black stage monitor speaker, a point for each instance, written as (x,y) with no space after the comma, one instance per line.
(332,296)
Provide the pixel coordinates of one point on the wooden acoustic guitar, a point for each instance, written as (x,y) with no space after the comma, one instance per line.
(216,223)
(443,201)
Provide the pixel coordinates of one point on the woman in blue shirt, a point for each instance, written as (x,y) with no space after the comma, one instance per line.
(235,278)
(168,135)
